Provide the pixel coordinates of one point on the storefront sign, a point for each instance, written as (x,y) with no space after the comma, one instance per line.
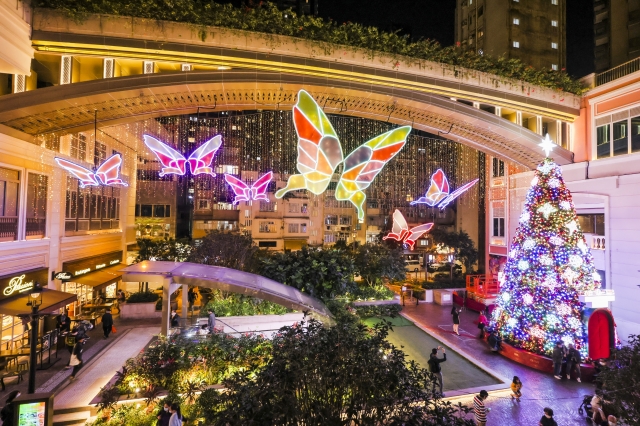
(21,282)
(62,276)
(89,264)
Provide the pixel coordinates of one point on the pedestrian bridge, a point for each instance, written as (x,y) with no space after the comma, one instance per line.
(109,70)
(173,274)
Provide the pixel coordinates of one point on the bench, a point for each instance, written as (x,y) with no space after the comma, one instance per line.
(17,374)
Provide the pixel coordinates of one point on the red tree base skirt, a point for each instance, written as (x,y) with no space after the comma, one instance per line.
(540,362)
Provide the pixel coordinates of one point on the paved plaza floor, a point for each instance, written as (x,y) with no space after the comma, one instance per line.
(539,389)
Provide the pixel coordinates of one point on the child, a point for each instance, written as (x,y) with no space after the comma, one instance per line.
(516,385)
(482,323)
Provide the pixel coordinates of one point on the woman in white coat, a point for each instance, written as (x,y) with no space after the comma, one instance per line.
(176,415)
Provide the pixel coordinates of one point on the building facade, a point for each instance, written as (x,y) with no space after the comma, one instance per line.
(616,32)
(532,31)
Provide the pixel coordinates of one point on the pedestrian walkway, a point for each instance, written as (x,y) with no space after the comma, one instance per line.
(539,389)
(99,370)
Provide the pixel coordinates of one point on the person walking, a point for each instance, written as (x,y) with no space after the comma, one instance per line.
(76,356)
(7,413)
(176,415)
(434,365)
(107,323)
(164,415)
(547,418)
(573,360)
(211,322)
(175,319)
(482,323)
(456,319)
(557,356)
(479,410)
(516,386)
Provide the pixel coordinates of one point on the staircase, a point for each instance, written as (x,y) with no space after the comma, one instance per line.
(77,416)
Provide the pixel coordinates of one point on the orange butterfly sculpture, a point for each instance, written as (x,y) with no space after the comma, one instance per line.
(320,153)
(401,232)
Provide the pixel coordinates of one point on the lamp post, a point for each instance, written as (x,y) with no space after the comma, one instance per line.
(451,259)
(35,300)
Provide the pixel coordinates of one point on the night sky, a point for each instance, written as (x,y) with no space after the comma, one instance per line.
(434,19)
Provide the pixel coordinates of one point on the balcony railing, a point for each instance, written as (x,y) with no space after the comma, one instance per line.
(618,72)
(36,227)
(8,228)
(596,242)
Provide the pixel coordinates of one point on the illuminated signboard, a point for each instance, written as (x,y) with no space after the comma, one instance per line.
(95,263)
(106,174)
(175,163)
(438,193)
(32,414)
(22,282)
(320,153)
(401,232)
(244,192)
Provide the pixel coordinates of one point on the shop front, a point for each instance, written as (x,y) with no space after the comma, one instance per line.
(94,280)
(15,290)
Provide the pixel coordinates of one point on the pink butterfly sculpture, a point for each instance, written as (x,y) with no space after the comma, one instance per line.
(401,232)
(106,174)
(174,163)
(438,193)
(244,192)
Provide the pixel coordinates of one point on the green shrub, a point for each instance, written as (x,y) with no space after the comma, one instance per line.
(370,292)
(378,311)
(143,297)
(226,304)
(126,414)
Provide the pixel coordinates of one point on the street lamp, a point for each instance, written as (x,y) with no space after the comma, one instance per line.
(35,300)
(451,259)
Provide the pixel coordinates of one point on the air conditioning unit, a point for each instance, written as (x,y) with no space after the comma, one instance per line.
(65,69)
(19,83)
(108,68)
(149,67)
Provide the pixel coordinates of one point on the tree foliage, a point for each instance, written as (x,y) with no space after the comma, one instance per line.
(322,273)
(168,249)
(341,375)
(230,250)
(461,242)
(620,379)
(377,261)
(267,19)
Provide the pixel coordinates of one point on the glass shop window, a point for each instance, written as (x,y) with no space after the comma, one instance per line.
(635,134)
(620,144)
(36,219)
(603,141)
(9,196)
(79,146)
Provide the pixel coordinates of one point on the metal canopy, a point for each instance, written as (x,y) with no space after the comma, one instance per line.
(226,279)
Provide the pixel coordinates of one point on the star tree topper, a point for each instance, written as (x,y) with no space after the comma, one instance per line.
(547,145)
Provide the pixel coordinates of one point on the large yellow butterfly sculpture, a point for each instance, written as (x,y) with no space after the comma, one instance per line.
(320,153)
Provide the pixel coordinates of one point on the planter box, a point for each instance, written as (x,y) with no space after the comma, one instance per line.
(443,297)
(139,310)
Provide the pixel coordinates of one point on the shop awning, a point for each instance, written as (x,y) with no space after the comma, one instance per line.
(99,278)
(51,300)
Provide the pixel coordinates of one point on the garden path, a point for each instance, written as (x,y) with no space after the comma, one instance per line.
(101,369)
(539,389)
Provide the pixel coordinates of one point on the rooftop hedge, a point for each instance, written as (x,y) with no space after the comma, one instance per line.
(268,19)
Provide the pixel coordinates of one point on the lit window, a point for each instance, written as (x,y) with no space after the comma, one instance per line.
(554,67)
(554,45)
(516,44)
(554,2)
(554,23)
(516,21)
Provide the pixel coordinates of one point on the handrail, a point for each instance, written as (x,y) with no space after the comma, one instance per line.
(618,72)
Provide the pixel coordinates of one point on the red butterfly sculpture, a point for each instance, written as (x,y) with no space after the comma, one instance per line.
(174,163)
(438,193)
(257,191)
(106,174)
(401,232)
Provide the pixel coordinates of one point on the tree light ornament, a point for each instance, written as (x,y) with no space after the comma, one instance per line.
(567,340)
(575,261)
(534,181)
(523,265)
(570,275)
(512,322)
(554,183)
(546,168)
(528,244)
(546,210)
(524,217)
(556,241)
(506,297)
(537,332)
(572,227)
(550,282)
(546,260)
(527,299)
(596,276)
(551,319)
(583,247)
(565,205)
(563,309)
(513,253)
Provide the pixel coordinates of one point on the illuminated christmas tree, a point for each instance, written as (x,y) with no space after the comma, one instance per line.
(549,266)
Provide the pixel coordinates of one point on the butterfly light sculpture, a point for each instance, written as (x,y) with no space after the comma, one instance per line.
(438,193)
(106,174)
(400,230)
(244,192)
(174,162)
(320,153)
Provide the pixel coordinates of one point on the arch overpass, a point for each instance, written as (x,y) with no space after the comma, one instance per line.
(114,70)
(172,274)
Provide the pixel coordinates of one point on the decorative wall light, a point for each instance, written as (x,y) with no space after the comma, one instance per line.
(244,192)
(175,163)
(438,193)
(106,174)
(401,232)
